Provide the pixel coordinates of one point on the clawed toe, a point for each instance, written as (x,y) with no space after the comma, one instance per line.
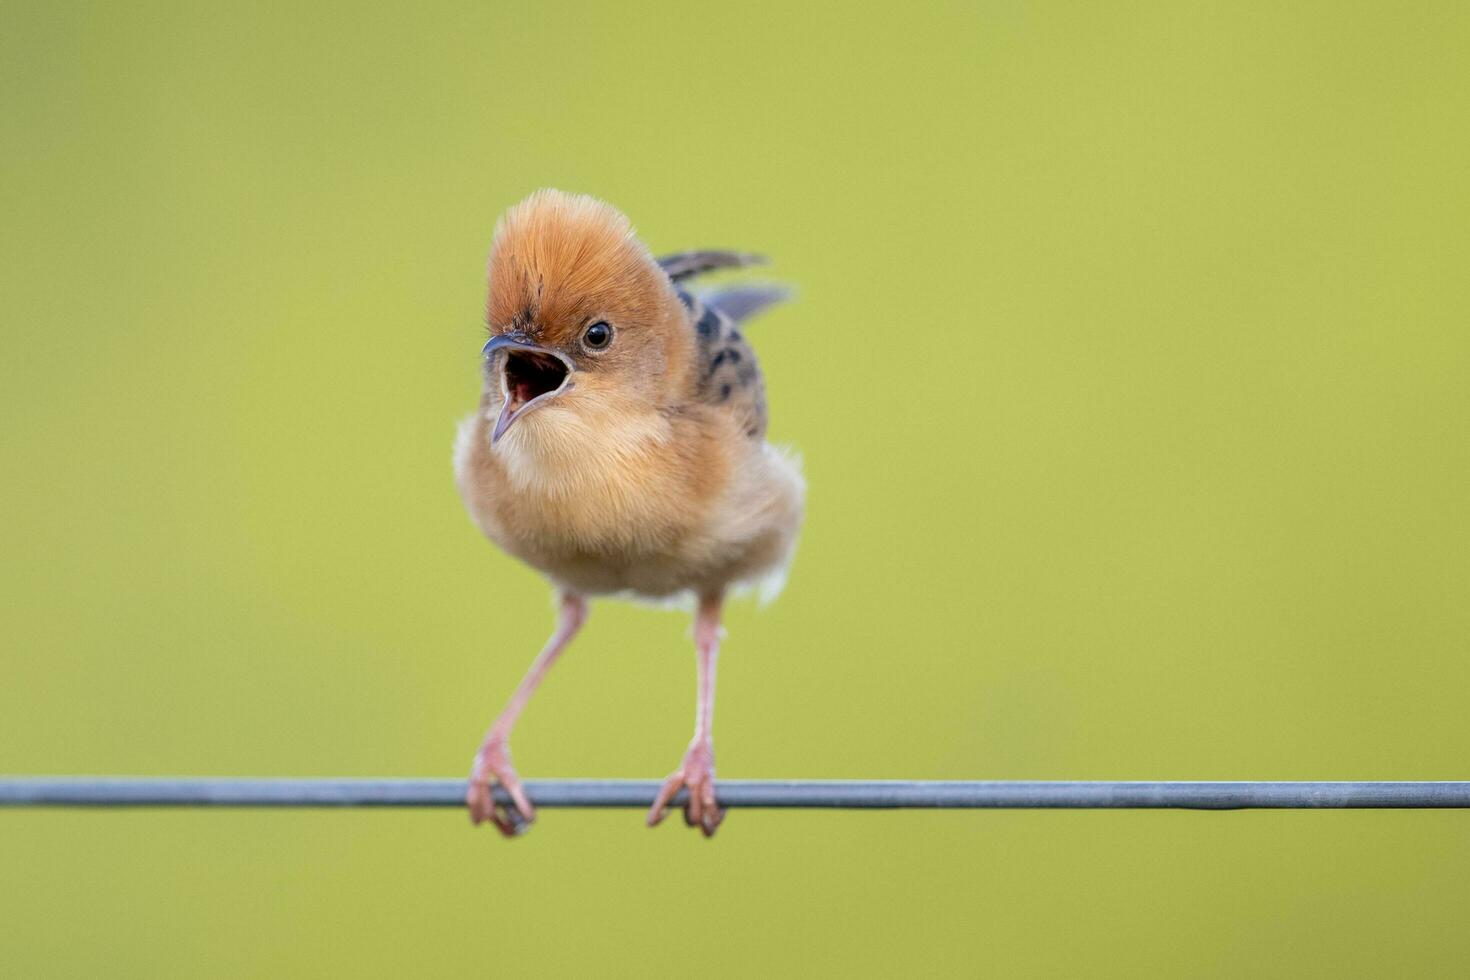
(492,766)
(697,775)
(483,808)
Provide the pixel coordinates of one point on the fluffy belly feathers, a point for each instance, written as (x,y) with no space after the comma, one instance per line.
(598,519)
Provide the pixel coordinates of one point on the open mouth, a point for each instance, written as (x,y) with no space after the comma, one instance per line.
(528,377)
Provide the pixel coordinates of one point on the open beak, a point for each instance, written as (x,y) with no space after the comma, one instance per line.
(530,375)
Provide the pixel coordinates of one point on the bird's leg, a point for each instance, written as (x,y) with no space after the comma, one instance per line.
(697,771)
(492,762)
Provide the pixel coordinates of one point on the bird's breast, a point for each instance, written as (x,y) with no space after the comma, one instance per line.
(564,487)
(657,506)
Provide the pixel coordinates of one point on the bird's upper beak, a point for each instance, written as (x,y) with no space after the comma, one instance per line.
(530,375)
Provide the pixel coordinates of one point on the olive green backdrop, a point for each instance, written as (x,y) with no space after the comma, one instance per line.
(1129,369)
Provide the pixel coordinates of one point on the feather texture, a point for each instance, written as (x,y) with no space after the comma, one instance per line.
(741,303)
(649,473)
(685,265)
(619,449)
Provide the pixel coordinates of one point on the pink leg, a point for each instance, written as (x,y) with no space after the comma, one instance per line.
(697,772)
(492,762)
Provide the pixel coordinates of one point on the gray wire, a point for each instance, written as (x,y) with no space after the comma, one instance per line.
(111,791)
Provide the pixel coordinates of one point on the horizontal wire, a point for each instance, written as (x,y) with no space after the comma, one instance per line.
(112,791)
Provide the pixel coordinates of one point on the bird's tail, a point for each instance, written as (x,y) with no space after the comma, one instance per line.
(685,265)
(740,303)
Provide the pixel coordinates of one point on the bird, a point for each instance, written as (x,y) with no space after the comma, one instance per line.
(619,449)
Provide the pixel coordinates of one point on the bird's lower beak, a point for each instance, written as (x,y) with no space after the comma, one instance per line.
(530,375)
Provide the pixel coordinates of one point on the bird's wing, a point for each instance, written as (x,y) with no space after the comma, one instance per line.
(683,265)
(727,374)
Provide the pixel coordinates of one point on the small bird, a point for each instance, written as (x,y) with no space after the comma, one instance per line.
(619,448)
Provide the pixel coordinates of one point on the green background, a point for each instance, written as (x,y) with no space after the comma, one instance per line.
(1129,370)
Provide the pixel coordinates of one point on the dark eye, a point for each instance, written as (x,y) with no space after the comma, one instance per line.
(598,336)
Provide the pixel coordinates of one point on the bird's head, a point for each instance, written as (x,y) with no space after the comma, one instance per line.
(584,325)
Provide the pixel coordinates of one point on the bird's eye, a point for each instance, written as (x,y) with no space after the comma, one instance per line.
(598,336)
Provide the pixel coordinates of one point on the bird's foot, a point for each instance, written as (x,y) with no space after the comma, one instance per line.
(492,765)
(697,774)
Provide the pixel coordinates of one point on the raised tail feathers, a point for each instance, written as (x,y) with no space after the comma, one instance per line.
(685,265)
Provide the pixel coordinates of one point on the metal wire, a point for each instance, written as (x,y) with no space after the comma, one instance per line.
(111,791)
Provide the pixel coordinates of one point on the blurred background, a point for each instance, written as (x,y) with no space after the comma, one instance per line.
(1129,370)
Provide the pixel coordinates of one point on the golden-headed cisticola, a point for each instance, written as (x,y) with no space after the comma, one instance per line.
(619,448)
